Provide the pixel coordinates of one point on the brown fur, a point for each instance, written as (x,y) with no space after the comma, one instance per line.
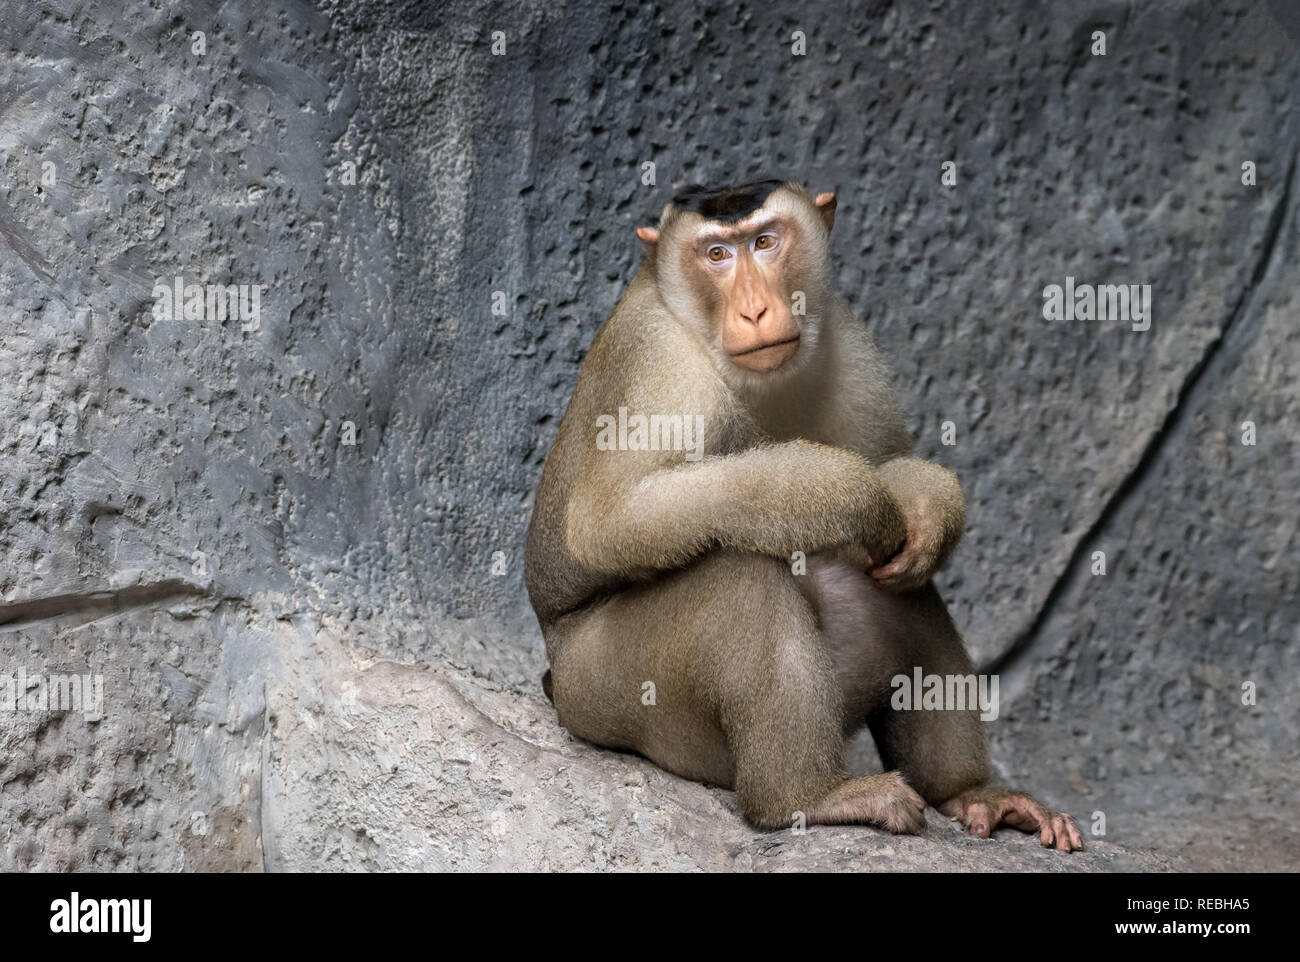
(645,567)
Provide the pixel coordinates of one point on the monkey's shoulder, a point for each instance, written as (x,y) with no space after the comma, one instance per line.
(642,356)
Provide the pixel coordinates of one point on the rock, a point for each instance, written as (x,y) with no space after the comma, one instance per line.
(390,767)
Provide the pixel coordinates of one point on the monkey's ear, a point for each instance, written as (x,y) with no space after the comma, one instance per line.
(649,236)
(826,207)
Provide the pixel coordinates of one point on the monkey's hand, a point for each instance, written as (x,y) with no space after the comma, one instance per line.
(935,513)
(922,552)
(983,809)
(881,533)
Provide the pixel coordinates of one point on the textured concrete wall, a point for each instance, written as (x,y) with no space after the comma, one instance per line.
(179,512)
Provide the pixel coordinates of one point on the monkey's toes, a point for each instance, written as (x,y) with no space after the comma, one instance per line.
(982,810)
(980,819)
(901,818)
(901,809)
(1059,832)
(1055,829)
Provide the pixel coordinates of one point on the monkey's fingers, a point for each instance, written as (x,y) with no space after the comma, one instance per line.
(909,569)
(896,568)
(893,555)
(893,569)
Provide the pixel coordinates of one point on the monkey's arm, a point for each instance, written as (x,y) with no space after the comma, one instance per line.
(932,503)
(773,499)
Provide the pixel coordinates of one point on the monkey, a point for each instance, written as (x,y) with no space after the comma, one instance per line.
(732,542)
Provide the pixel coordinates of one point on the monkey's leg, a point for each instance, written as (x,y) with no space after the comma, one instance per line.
(944,753)
(874,635)
(718,672)
(940,753)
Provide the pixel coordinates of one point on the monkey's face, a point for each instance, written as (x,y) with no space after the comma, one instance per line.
(740,269)
(752,286)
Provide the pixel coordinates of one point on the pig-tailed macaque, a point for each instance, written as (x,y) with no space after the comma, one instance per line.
(732,544)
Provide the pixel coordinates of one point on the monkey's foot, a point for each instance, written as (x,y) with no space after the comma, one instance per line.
(885,800)
(984,809)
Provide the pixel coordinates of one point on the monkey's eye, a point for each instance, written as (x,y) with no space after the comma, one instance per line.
(765,242)
(717,253)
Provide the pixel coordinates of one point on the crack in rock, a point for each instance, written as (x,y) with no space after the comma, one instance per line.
(97,604)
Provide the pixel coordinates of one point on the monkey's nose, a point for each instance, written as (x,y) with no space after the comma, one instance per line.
(756,318)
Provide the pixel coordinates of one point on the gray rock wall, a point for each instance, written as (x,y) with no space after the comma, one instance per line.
(313,654)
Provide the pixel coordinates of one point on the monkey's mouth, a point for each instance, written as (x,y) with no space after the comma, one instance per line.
(767,357)
(766,347)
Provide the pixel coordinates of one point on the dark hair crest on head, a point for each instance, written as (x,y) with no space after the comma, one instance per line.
(725,203)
